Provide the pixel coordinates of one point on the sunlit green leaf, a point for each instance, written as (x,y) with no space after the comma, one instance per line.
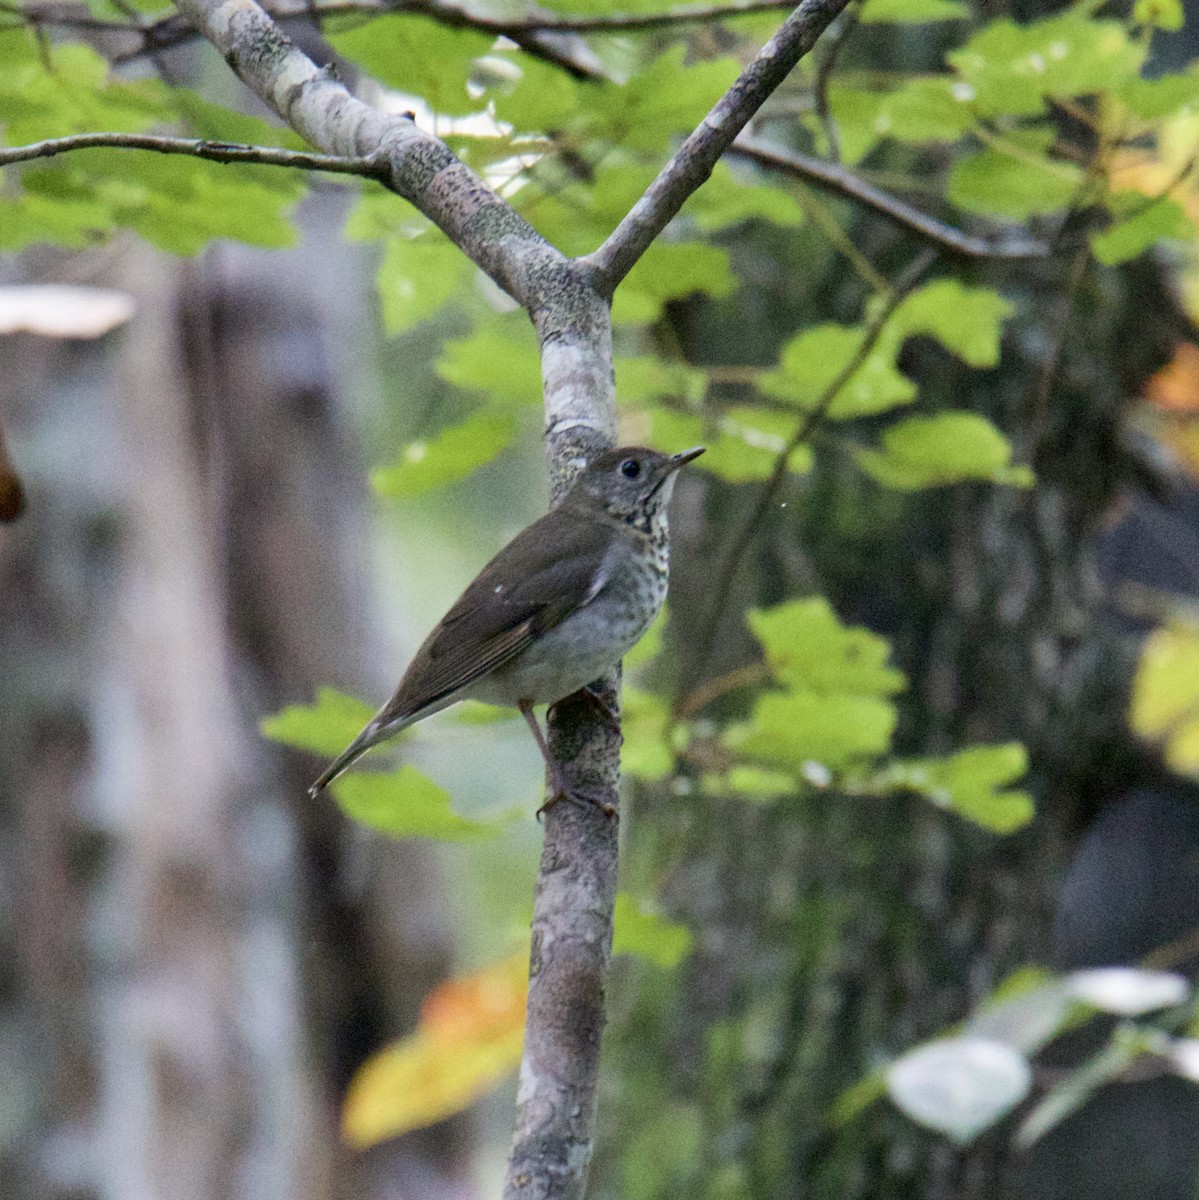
(417,276)
(668,97)
(1012,68)
(646,753)
(743,444)
(967,321)
(1165,694)
(1161,14)
(1151,99)
(648,377)
(540,97)
(921,110)
(808,647)
(407,803)
(647,934)
(793,729)
(1162,219)
(973,783)
(1001,184)
(324,727)
(815,359)
(913,12)
(447,457)
(499,359)
(214,121)
(670,271)
(730,198)
(923,452)
(416,55)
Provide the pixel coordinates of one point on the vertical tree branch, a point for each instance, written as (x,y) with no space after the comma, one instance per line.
(568,301)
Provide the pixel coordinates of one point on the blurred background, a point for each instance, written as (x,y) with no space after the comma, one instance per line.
(195,958)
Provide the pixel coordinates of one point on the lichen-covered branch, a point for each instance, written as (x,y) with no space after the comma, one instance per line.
(693,162)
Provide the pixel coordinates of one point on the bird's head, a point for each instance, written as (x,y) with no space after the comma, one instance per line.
(631,481)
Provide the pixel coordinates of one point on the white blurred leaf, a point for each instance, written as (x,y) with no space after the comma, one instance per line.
(1184,1057)
(1127,991)
(62,310)
(1025,1021)
(959,1086)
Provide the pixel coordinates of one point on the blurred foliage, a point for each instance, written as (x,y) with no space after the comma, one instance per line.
(814,802)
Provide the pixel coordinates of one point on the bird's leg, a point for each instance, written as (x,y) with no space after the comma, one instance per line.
(558,789)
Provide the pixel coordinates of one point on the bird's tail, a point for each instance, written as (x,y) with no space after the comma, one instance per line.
(375,732)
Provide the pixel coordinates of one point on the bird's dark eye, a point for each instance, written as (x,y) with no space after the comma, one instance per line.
(630,468)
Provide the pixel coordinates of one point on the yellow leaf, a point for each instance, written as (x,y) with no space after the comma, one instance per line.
(1165,694)
(469,1039)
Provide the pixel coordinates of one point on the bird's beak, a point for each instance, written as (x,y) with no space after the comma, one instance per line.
(681,460)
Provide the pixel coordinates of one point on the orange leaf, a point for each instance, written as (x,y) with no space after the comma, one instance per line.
(469,1039)
(1175,387)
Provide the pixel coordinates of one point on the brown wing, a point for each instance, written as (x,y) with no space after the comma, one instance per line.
(544,574)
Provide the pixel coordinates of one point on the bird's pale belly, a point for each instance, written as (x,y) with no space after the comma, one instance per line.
(586,645)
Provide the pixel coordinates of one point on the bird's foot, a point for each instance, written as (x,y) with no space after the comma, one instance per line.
(584,799)
(590,695)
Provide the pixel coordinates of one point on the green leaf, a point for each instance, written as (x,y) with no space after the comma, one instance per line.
(452,455)
(913,12)
(813,360)
(668,97)
(1163,219)
(966,321)
(1152,99)
(807,647)
(646,753)
(731,197)
(743,445)
(417,56)
(1159,14)
(996,183)
(407,803)
(541,97)
(417,277)
(647,377)
(1165,695)
(671,271)
(1012,68)
(326,727)
(754,783)
(218,123)
(924,109)
(498,359)
(378,213)
(972,783)
(648,935)
(794,729)
(923,452)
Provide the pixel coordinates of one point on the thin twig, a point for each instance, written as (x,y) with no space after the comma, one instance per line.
(743,536)
(832,49)
(693,163)
(222,152)
(839,180)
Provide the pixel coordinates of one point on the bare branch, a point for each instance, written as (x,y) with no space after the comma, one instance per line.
(840,181)
(693,163)
(222,152)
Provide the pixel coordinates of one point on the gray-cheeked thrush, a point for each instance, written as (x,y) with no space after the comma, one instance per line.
(555,609)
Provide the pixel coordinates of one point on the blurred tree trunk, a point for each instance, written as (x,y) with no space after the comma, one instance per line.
(205,955)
